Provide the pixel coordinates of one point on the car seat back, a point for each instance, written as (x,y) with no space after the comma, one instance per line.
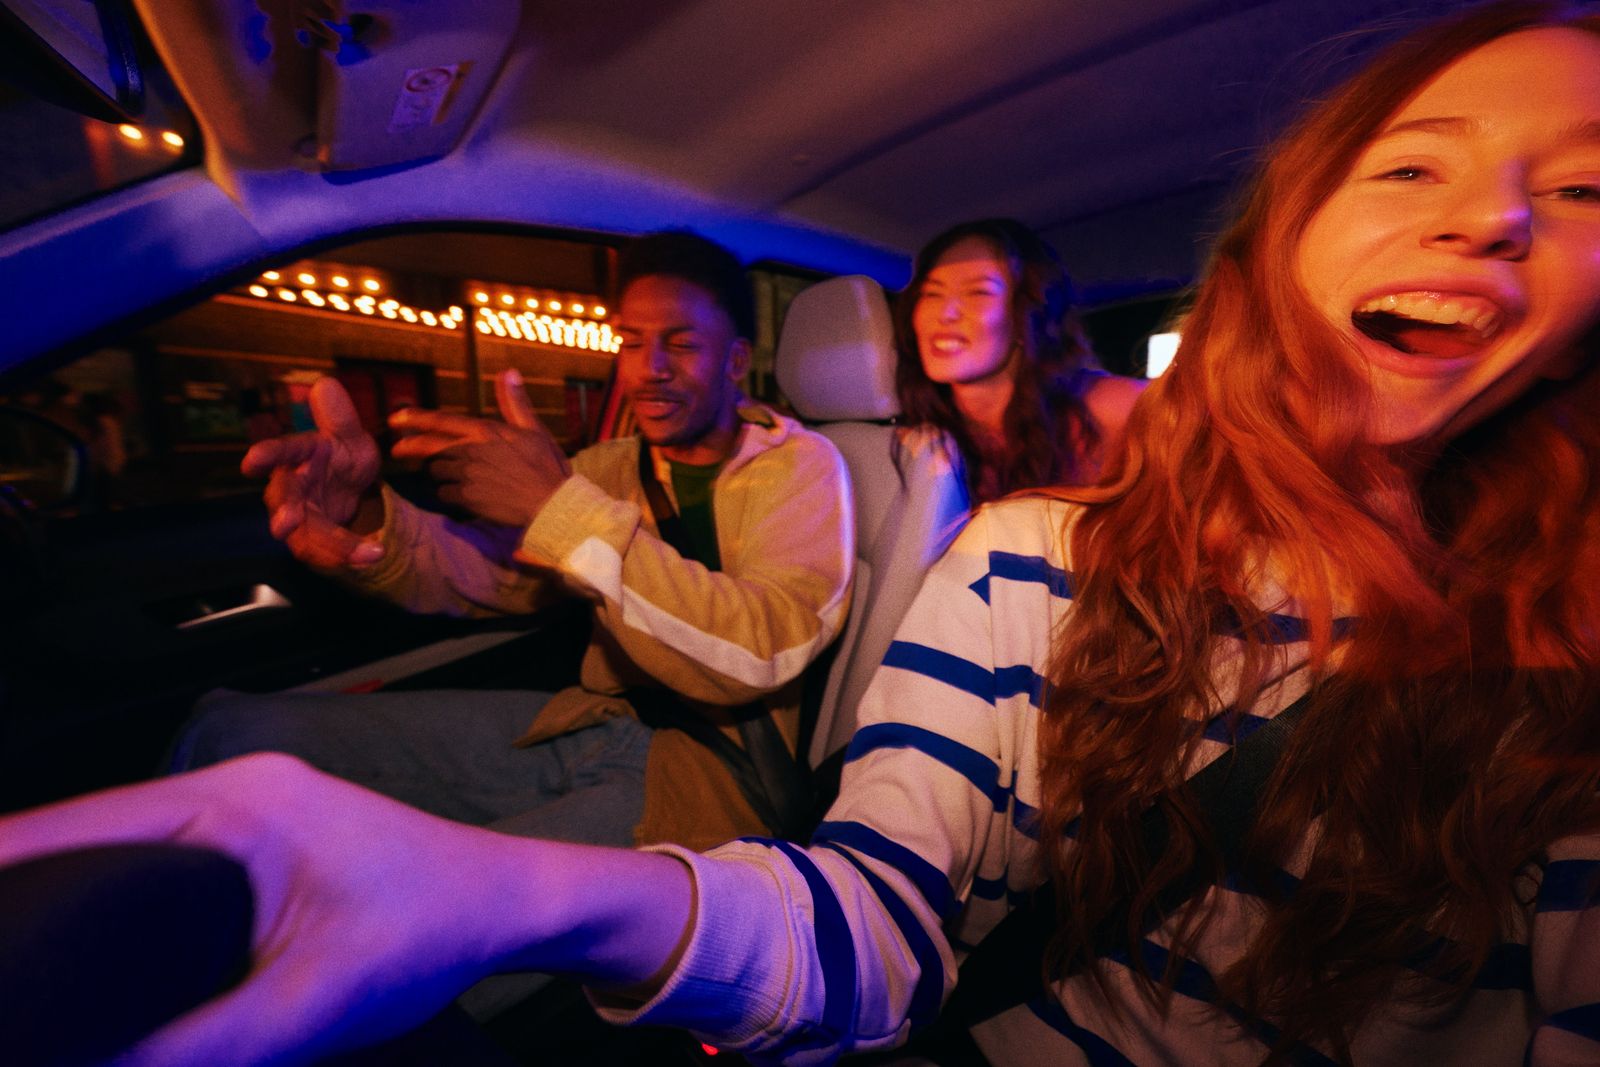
(836,365)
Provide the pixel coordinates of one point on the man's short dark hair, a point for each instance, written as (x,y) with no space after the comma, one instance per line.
(698,261)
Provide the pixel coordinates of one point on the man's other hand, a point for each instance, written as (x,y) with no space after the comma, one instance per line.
(500,471)
(321,484)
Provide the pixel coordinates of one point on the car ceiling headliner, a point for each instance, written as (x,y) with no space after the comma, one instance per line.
(889,119)
(834,134)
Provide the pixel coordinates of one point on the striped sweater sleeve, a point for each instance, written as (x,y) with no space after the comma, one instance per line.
(1566,956)
(800,955)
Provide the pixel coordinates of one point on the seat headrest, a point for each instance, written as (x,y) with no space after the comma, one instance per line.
(836,356)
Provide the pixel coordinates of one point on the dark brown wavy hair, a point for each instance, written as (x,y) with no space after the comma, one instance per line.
(1460,734)
(1048,430)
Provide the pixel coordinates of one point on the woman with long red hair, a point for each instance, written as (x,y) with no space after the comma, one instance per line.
(1367,497)
(1387,490)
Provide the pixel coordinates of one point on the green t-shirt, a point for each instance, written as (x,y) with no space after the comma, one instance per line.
(691,486)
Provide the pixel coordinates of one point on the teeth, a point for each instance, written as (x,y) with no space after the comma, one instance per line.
(1474,313)
(1482,319)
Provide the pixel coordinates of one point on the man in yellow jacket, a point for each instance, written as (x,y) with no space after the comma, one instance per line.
(716,626)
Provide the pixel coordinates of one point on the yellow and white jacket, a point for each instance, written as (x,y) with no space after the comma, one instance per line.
(786,537)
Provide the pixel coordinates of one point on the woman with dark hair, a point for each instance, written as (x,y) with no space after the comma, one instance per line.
(993,365)
(1360,517)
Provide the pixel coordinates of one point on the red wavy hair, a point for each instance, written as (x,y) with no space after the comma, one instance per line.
(1460,735)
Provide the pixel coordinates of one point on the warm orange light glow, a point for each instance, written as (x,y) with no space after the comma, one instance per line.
(510,321)
(555,305)
(306,278)
(370,285)
(599,312)
(172,139)
(131,132)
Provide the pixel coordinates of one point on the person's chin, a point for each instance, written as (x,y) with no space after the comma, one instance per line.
(661,434)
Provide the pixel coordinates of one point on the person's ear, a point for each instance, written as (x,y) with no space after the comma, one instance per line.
(738,359)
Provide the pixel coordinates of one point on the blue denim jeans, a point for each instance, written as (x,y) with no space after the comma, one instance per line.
(448,752)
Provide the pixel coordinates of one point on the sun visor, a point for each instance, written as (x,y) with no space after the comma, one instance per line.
(399,82)
(333,86)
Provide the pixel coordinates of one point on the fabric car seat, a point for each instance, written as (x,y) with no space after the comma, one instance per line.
(836,365)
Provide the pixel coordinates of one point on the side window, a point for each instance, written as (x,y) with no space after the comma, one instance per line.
(776,286)
(166,412)
(1122,332)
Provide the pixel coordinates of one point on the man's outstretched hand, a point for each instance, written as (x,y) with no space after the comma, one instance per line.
(500,471)
(318,482)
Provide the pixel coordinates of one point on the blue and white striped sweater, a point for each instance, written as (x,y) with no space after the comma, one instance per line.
(801,955)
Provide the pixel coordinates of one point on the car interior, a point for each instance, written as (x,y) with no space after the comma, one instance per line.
(207,204)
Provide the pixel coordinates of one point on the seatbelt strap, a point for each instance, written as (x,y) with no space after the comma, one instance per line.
(662,709)
(668,524)
(1007,966)
(771,778)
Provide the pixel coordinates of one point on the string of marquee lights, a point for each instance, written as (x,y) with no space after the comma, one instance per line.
(510,315)
(546,320)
